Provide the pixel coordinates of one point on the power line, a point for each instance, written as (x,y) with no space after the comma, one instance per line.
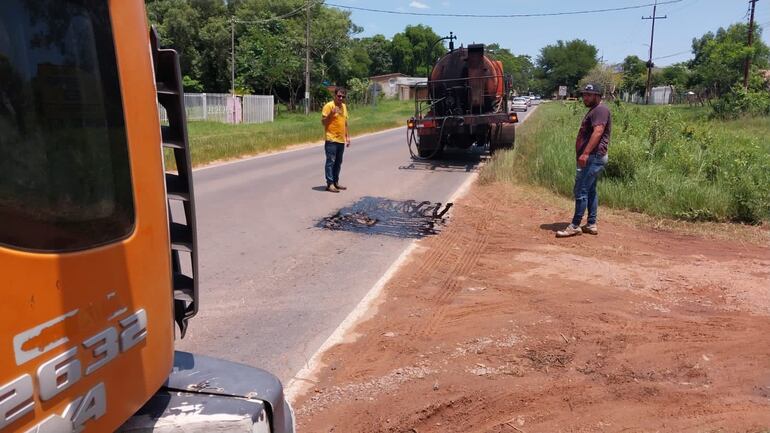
(297,11)
(685,5)
(673,55)
(529,15)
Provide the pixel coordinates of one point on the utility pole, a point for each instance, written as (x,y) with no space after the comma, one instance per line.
(649,61)
(232,64)
(307,58)
(747,65)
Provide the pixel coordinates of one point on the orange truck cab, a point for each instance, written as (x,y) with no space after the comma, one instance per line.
(98,259)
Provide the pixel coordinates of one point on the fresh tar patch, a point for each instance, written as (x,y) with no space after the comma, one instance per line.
(381,216)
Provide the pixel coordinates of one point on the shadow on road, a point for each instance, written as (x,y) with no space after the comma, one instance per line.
(554,227)
(321,188)
(450,161)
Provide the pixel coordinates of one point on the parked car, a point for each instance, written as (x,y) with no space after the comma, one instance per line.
(520,103)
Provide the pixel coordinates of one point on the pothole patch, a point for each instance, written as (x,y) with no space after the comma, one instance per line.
(381,216)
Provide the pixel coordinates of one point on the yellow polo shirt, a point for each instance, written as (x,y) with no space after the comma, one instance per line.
(335,130)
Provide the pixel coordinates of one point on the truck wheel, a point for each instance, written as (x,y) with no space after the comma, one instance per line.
(502,137)
(507,136)
(426,146)
(428,153)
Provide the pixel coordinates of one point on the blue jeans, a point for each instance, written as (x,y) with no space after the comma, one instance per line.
(585,189)
(334,153)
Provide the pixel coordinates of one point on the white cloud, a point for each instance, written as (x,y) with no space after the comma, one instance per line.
(418,5)
(445,4)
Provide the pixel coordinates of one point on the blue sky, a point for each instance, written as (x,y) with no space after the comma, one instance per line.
(615,34)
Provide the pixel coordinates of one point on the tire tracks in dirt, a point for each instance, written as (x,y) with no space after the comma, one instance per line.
(504,344)
(463,264)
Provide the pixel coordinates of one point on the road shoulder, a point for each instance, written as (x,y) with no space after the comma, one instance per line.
(496,326)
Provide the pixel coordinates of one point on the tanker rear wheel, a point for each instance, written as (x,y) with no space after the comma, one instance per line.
(427,146)
(503,138)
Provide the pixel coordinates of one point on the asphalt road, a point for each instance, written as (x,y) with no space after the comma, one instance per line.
(273,284)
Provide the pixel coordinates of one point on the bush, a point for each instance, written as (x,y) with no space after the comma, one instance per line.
(191,85)
(320,95)
(627,155)
(738,102)
(665,161)
(357,90)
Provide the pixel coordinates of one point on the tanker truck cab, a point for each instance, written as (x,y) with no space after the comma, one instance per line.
(98,278)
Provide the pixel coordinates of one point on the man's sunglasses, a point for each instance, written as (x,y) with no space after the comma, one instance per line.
(341,96)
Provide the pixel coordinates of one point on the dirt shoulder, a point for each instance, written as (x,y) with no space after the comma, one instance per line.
(497,326)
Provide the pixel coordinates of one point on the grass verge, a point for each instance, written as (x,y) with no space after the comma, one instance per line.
(211,141)
(664,161)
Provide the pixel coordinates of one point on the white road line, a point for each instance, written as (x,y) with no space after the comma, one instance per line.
(304,378)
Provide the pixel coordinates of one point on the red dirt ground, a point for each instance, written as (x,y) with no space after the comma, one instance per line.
(497,326)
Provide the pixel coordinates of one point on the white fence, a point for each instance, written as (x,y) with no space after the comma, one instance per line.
(220,107)
(658,96)
(258,108)
(661,95)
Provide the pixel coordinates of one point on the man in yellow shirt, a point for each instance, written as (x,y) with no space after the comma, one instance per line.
(334,117)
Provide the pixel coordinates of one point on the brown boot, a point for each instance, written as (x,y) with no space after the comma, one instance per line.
(332,188)
(590,229)
(340,187)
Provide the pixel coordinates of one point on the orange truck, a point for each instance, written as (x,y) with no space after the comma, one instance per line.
(98,258)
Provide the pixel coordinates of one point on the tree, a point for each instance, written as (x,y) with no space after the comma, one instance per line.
(565,63)
(360,61)
(358,90)
(378,48)
(603,75)
(199,30)
(177,23)
(677,75)
(402,54)
(520,67)
(719,58)
(214,53)
(415,50)
(331,31)
(269,61)
(634,75)
(270,54)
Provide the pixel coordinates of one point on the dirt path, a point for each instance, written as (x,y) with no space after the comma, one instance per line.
(496,326)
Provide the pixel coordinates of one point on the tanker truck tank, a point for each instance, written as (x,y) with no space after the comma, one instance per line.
(462,104)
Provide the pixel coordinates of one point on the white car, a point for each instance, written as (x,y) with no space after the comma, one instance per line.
(520,103)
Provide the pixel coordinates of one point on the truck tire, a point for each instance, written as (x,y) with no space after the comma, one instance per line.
(426,146)
(503,138)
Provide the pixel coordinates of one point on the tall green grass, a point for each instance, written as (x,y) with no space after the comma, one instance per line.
(211,141)
(664,161)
